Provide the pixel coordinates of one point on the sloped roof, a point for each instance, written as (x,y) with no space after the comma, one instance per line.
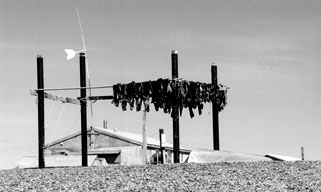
(64,138)
(211,156)
(129,137)
(282,157)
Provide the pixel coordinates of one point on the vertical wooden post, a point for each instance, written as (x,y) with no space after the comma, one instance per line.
(175,110)
(302,153)
(216,140)
(83,109)
(157,153)
(144,156)
(41,113)
(161,133)
(105,124)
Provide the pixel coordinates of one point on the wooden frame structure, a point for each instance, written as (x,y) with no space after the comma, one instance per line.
(82,100)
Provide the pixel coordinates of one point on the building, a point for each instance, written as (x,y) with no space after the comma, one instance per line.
(105,147)
(112,147)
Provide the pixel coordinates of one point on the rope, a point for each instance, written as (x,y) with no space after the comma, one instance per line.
(89,87)
(57,122)
(75,88)
(74,123)
(49,114)
(60,114)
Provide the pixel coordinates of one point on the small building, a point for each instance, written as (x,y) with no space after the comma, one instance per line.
(105,147)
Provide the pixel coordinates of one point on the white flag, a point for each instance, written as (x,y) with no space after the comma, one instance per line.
(70,53)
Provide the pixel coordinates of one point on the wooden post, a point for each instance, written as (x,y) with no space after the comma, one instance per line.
(83,110)
(157,153)
(302,153)
(175,110)
(41,113)
(161,133)
(216,140)
(144,157)
(105,124)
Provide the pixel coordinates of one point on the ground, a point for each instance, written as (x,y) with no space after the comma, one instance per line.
(232,176)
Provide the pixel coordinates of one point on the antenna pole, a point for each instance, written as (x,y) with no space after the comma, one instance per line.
(87,68)
(82,35)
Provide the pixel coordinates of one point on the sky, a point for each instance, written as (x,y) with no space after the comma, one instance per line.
(267,52)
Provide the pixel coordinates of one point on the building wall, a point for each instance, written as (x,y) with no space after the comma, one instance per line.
(73,145)
(168,156)
(131,155)
(107,141)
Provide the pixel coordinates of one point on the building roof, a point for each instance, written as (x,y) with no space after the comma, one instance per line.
(282,157)
(125,136)
(212,156)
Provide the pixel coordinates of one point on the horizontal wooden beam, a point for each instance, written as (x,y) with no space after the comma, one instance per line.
(103,97)
(57,98)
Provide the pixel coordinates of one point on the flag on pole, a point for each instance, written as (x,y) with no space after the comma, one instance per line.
(71,53)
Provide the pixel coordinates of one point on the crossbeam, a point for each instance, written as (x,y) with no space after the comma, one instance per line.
(95,98)
(57,98)
(104,97)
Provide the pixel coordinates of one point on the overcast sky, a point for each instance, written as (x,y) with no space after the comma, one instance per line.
(267,52)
